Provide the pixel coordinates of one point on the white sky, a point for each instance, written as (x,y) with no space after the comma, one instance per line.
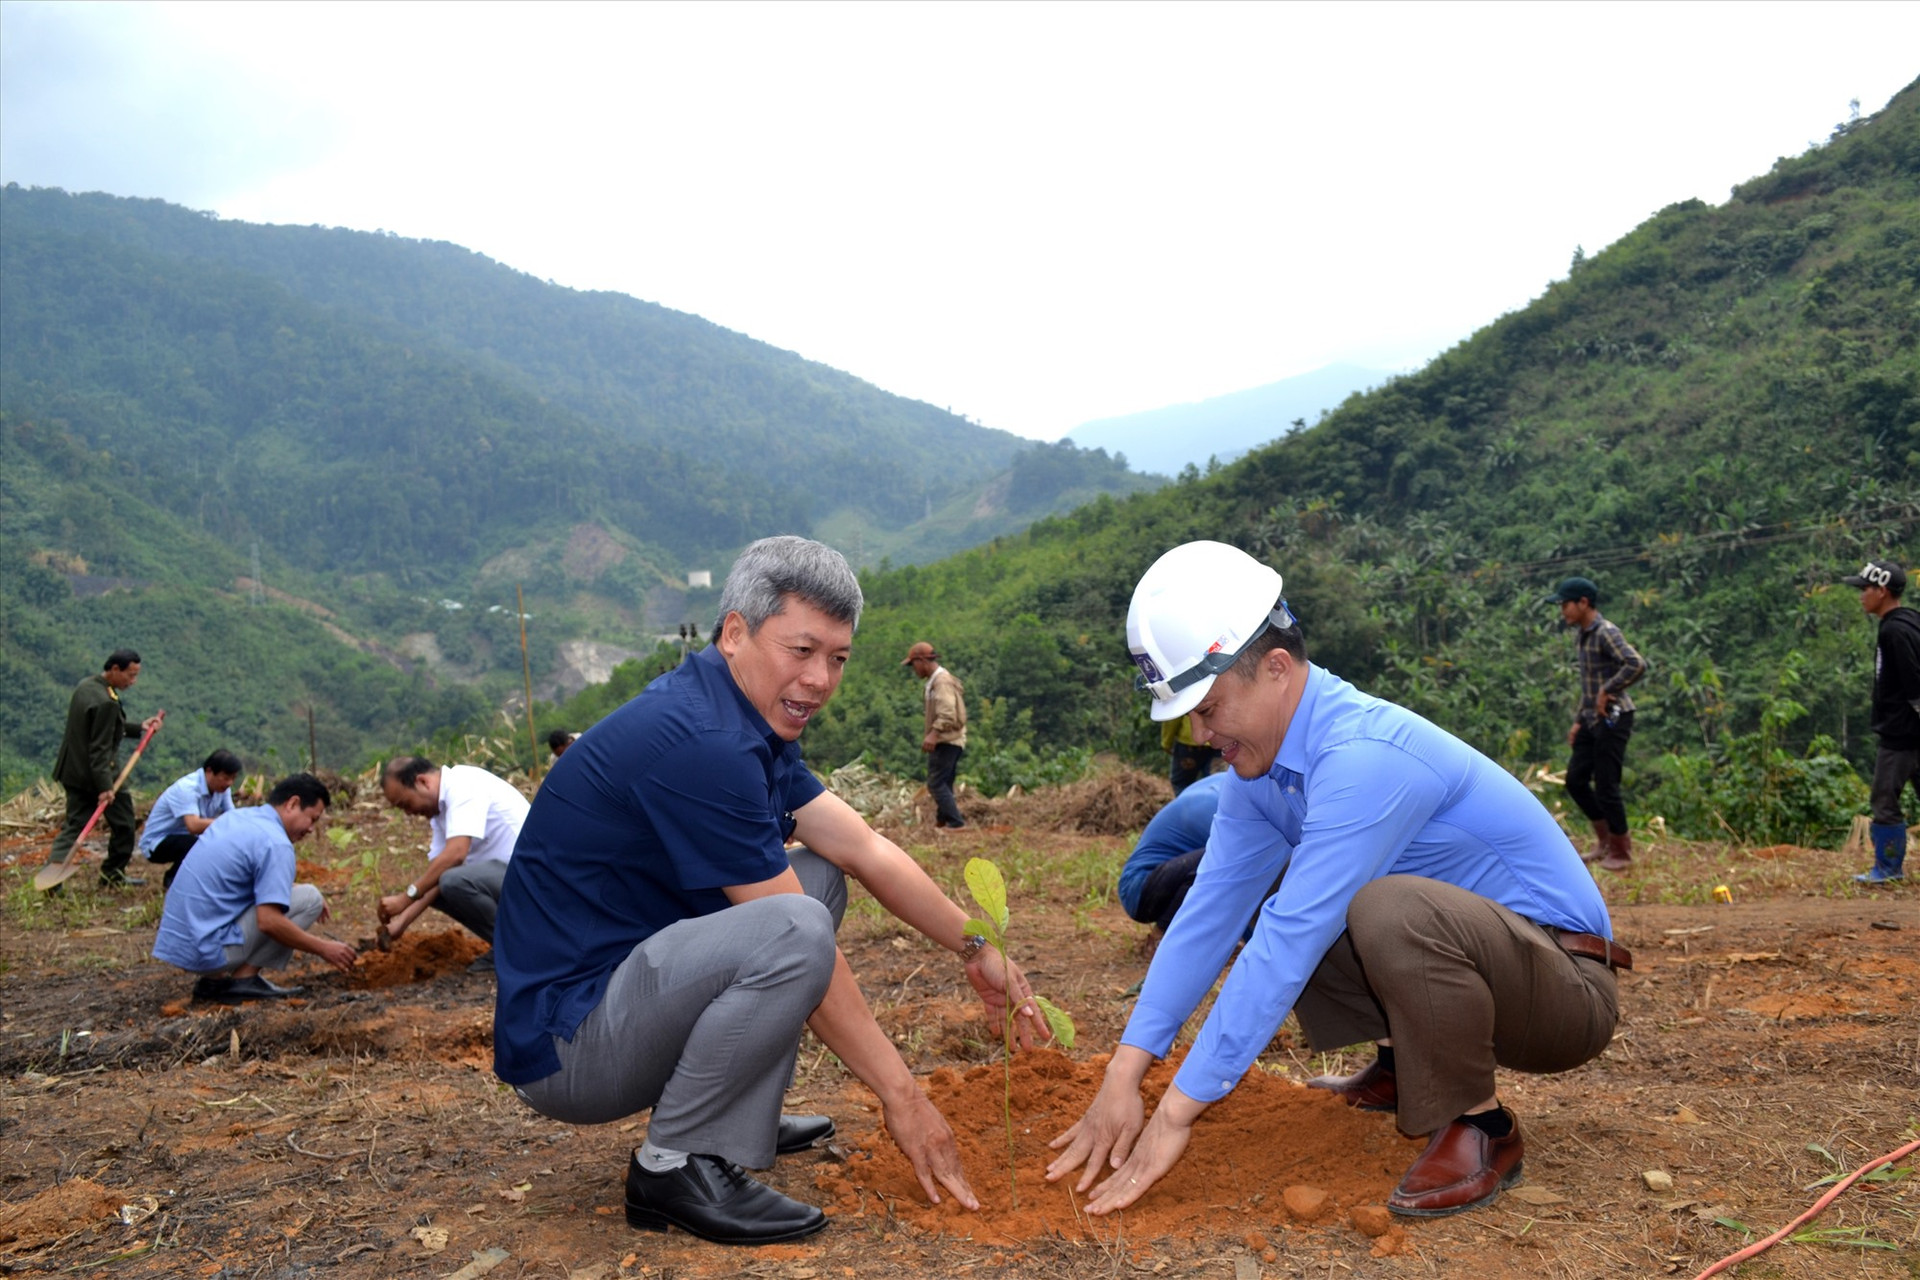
(1034,214)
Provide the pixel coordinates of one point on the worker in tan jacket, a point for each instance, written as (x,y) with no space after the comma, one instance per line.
(946,736)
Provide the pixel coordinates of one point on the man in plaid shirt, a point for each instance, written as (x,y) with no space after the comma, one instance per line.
(1608,664)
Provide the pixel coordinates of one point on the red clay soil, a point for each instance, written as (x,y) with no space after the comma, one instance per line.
(418,956)
(359,1133)
(1269,1135)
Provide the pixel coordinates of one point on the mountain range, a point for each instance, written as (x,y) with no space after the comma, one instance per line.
(394,436)
(1221,428)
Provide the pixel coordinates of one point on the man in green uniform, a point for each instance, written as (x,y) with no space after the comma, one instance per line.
(89,762)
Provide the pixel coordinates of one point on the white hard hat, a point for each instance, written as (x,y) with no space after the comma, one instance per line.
(1195,610)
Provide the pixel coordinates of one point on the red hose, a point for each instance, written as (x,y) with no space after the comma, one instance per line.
(1761,1246)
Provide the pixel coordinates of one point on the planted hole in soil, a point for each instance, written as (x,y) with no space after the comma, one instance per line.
(1266,1136)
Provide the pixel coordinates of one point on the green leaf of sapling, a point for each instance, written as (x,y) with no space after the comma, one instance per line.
(989,889)
(1058,1022)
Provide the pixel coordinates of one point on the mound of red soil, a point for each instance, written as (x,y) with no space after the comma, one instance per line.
(1266,1136)
(417,957)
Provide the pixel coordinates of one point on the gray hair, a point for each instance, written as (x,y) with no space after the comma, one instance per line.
(772,569)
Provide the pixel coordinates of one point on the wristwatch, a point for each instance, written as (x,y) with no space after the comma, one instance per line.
(971,948)
(413,891)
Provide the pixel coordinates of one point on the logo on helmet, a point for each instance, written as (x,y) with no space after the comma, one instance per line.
(1148,671)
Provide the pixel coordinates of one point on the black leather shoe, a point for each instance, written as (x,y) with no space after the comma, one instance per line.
(716,1200)
(797,1133)
(120,880)
(211,988)
(1371,1089)
(236,990)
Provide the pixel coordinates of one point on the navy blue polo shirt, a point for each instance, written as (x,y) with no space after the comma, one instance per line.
(643,822)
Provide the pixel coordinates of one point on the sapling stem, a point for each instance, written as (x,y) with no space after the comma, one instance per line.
(989,890)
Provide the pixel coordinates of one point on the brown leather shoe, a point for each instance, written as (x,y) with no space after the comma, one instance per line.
(1619,853)
(1602,842)
(1462,1168)
(1370,1089)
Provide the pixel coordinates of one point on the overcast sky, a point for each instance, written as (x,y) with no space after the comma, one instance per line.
(1036,215)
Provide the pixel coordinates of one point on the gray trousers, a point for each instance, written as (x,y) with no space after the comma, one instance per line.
(1893,769)
(256,948)
(1460,985)
(470,893)
(702,1022)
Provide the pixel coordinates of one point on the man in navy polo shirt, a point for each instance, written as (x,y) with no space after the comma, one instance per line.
(658,946)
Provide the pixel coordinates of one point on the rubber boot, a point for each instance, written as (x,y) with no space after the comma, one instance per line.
(1602,841)
(1619,853)
(1889,854)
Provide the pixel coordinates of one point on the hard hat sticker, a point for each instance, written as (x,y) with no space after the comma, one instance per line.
(1148,671)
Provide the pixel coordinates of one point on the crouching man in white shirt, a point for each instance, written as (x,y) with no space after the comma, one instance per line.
(475,819)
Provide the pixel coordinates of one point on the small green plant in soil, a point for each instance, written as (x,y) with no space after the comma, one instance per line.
(989,889)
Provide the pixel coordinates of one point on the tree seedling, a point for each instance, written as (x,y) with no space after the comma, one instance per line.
(989,889)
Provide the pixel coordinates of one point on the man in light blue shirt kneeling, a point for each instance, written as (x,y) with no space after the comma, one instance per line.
(184,811)
(235,909)
(1429,904)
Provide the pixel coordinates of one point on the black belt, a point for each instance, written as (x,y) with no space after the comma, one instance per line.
(1591,946)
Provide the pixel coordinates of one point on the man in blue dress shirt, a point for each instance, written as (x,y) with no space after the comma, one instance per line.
(1160,870)
(236,910)
(659,946)
(186,809)
(1429,904)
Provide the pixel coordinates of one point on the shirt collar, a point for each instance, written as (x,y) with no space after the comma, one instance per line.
(716,671)
(1294,748)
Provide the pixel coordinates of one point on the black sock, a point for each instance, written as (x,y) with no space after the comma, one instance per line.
(1386,1057)
(1495,1123)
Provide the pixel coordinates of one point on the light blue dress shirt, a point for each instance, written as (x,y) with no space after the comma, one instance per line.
(1178,829)
(188,795)
(244,860)
(1360,789)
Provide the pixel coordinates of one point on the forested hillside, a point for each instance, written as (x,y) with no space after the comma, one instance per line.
(1715,418)
(403,433)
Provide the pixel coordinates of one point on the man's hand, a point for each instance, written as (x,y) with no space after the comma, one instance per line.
(390,906)
(106,797)
(336,953)
(1601,703)
(928,743)
(1573,733)
(153,722)
(993,976)
(1159,1147)
(923,1136)
(1106,1133)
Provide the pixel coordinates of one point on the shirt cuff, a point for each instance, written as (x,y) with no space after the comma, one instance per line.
(1206,1079)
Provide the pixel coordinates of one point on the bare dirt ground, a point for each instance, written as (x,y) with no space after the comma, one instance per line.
(1766,1045)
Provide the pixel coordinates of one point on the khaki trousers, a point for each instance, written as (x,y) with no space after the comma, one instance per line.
(1461,985)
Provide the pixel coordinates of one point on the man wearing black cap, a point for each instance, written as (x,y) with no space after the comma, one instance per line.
(1896,712)
(946,737)
(1604,722)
